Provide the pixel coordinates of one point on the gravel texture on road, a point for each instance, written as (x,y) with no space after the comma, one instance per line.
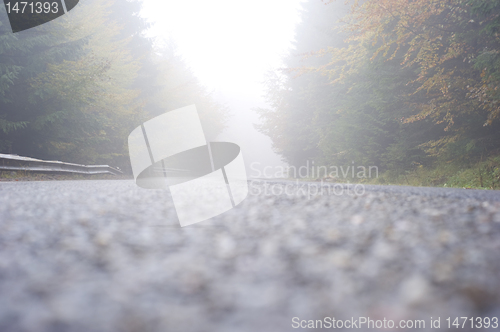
(109,256)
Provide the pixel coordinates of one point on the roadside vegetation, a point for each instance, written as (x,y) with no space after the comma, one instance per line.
(481,175)
(74,88)
(411,87)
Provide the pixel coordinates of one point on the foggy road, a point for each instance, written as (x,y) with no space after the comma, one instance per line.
(110,256)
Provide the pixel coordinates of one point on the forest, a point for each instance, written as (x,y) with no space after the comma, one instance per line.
(74,88)
(409,86)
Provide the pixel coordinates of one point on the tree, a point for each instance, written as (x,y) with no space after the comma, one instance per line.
(300,100)
(450,46)
(73,89)
(393,83)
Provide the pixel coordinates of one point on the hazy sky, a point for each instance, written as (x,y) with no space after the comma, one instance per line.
(229,44)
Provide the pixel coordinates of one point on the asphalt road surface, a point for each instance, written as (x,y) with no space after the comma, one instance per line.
(109,256)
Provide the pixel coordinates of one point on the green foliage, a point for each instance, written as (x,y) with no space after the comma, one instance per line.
(480,175)
(74,88)
(403,85)
(303,104)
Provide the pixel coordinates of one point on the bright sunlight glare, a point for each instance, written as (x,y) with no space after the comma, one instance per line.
(228,44)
